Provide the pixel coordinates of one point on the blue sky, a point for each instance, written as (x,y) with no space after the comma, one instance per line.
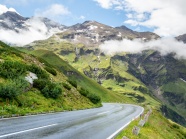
(79,11)
(166,18)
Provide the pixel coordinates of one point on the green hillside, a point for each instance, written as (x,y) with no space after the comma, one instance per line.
(51,91)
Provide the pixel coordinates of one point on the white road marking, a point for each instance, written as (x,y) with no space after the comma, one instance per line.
(103,113)
(183,80)
(119,130)
(6,135)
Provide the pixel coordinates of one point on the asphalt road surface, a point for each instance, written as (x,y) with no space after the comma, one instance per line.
(98,123)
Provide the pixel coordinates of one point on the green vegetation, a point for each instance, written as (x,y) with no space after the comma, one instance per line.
(48,89)
(66,86)
(19,97)
(81,79)
(93,97)
(51,70)
(157,127)
(73,83)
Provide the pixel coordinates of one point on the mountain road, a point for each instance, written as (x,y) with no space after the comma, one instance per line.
(98,123)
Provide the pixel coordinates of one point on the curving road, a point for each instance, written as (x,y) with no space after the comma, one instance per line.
(98,123)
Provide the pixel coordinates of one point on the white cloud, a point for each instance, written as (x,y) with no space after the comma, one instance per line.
(164,46)
(53,12)
(107,4)
(4,9)
(82,17)
(167,17)
(37,30)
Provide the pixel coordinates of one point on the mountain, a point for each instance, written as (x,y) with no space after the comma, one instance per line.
(142,76)
(42,82)
(28,29)
(182,38)
(14,21)
(93,33)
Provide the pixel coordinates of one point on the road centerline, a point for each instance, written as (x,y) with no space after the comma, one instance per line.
(103,113)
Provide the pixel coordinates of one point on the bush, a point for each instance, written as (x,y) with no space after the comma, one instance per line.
(94,98)
(73,83)
(66,86)
(51,70)
(12,70)
(83,92)
(51,91)
(48,89)
(9,90)
(38,71)
(13,88)
(39,84)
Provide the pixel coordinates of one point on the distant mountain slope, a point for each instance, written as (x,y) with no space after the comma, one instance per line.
(182,38)
(26,30)
(93,33)
(133,75)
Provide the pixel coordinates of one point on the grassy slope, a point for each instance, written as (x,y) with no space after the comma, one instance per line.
(157,127)
(81,79)
(87,60)
(33,101)
(179,88)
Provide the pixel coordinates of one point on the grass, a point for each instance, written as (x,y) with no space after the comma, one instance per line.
(32,101)
(179,88)
(82,80)
(157,127)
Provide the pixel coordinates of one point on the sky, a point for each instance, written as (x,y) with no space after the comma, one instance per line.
(164,17)
(167,18)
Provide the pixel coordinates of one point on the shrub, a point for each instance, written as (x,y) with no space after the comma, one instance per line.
(48,89)
(73,83)
(66,86)
(11,70)
(9,90)
(94,98)
(39,84)
(83,92)
(13,88)
(51,91)
(51,70)
(38,71)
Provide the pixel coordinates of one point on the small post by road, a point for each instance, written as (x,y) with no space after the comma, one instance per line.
(135,130)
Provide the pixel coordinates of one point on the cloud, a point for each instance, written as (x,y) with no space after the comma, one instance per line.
(108,4)
(4,9)
(54,11)
(166,17)
(164,46)
(82,17)
(37,30)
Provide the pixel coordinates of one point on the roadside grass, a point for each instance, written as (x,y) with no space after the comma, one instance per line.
(157,127)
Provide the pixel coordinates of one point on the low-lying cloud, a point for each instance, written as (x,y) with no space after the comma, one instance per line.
(35,30)
(164,46)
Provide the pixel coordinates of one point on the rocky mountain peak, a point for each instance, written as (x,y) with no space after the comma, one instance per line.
(12,16)
(182,38)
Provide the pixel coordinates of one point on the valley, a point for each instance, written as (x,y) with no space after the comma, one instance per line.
(49,68)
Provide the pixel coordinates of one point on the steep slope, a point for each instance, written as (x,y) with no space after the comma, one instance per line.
(182,38)
(93,33)
(31,85)
(165,76)
(18,30)
(136,76)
